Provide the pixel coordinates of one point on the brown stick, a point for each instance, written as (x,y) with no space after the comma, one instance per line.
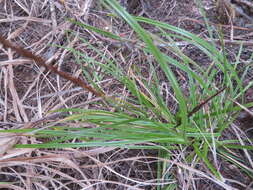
(41,62)
(197,108)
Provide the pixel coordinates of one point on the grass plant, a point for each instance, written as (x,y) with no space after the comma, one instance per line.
(144,120)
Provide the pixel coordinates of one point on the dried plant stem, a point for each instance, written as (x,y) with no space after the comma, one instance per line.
(41,62)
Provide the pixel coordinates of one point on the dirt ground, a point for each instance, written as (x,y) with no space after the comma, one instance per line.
(28,92)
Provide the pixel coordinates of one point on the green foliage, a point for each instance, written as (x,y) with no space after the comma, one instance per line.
(146,117)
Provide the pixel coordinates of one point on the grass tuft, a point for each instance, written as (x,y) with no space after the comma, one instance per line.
(202,112)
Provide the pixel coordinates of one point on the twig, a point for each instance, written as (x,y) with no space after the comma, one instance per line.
(198,107)
(41,62)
